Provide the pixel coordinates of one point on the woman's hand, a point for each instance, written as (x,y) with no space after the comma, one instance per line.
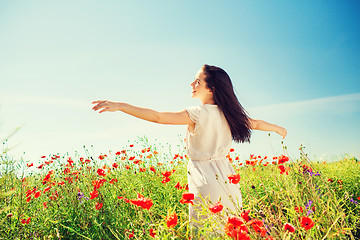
(106,106)
(281,131)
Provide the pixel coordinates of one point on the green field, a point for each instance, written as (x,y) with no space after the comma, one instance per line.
(135,193)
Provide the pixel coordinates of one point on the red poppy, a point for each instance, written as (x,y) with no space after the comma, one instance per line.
(137,161)
(171,220)
(142,169)
(299,209)
(358,198)
(37,194)
(131,145)
(152,168)
(165,180)
(231,150)
(40,166)
(141,201)
(236,233)
(115,165)
(282,168)
(234,178)
(258,226)
(236,228)
(47,178)
(29,164)
(127,167)
(70,161)
(187,198)
(289,227)
(98,206)
(27,221)
(166,174)
(306,223)
(66,170)
(61,183)
(101,172)
(112,181)
(45,205)
(43,156)
(283,159)
(245,215)
(28,199)
(94,194)
(186,187)
(152,232)
(236,221)
(178,186)
(29,192)
(218,207)
(131,235)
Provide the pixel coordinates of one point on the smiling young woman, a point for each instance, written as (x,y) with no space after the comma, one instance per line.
(212,126)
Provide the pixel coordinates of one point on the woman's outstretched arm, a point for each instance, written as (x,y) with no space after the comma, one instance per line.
(175,118)
(265,126)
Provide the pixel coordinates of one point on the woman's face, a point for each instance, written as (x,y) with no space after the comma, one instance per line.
(200,90)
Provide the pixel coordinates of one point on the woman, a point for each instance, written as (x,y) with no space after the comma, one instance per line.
(211,127)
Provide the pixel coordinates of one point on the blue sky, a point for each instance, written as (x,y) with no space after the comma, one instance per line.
(295,64)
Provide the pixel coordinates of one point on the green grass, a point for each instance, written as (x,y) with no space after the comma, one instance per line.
(331,188)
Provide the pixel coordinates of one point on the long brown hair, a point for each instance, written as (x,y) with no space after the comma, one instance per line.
(223,92)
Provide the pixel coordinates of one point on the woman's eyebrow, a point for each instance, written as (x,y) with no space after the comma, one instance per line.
(198,79)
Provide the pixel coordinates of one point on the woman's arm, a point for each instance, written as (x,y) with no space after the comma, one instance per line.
(265,126)
(175,118)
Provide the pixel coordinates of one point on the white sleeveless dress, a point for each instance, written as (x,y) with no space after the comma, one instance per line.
(208,167)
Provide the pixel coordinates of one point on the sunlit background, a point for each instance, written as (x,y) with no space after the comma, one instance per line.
(292,63)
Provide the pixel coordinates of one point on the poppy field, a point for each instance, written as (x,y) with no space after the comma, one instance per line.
(140,192)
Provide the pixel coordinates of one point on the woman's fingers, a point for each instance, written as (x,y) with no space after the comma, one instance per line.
(103,105)
(99,104)
(98,101)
